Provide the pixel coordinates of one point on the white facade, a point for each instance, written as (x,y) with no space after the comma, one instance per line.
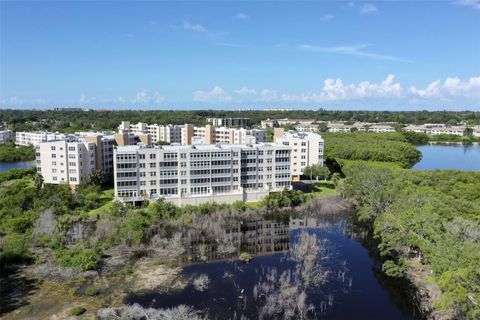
(381,128)
(179,133)
(307,128)
(307,150)
(221,172)
(229,122)
(67,161)
(36,137)
(6,136)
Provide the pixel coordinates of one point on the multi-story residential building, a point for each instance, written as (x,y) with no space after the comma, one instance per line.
(166,133)
(229,122)
(68,161)
(381,128)
(211,134)
(64,109)
(185,134)
(273,123)
(195,174)
(415,128)
(36,137)
(72,159)
(307,128)
(339,127)
(307,150)
(453,130)
(6,136)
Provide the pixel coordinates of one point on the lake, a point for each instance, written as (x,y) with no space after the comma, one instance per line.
(4,166)
(451,156)
(342,281)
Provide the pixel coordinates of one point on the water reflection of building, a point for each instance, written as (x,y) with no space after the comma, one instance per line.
(301,223)
(255,236)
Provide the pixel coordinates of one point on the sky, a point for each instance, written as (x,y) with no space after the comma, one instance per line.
(373,55)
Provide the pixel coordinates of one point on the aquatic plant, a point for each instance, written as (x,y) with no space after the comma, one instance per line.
(201,282)
(137,312)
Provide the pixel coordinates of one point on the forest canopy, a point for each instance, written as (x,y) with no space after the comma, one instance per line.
(425,220)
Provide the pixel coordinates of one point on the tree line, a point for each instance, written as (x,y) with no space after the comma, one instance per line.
(68,121)
(425,221)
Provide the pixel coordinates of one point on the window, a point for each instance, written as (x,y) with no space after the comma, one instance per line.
(52,148)
(152,156)
(71,148)
(54,155)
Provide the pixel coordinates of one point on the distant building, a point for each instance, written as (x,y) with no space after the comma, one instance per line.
(188,134)
(381,128)
(6,136)
(197,174)
(68,109)
(307,150)
(307,128)
(33,138)
(273,123)
(229,122)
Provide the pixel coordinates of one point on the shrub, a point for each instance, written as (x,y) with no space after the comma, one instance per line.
(78,257)
(245,257)
(77,311)
(91,291)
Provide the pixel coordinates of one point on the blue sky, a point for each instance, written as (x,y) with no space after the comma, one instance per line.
(251,54)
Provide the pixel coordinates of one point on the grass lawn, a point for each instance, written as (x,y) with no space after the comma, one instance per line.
(105,201)
(322,189)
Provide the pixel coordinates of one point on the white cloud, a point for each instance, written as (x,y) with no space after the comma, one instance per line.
(357,50)
(469,3)
(368,8)
(242,16)
(245,91)
(194,27)
(328,17)
(143,97)
(217,94)
(451,88)
(83,98)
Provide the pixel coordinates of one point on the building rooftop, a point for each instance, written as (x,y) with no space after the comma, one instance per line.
(300,135)
(176,147)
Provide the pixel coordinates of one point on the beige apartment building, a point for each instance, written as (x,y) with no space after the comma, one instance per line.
(194,174)
(188,134)
(307,150)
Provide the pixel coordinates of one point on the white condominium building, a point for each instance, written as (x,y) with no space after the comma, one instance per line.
(213,135)
(381,128)
(229,122)
(68,161)
(166,133)
(187,133)
(6,136)
(200,173)
(36,137)
(307,150)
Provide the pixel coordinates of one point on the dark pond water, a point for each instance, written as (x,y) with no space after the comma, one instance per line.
(4,166)
(451,156)
(352,285)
